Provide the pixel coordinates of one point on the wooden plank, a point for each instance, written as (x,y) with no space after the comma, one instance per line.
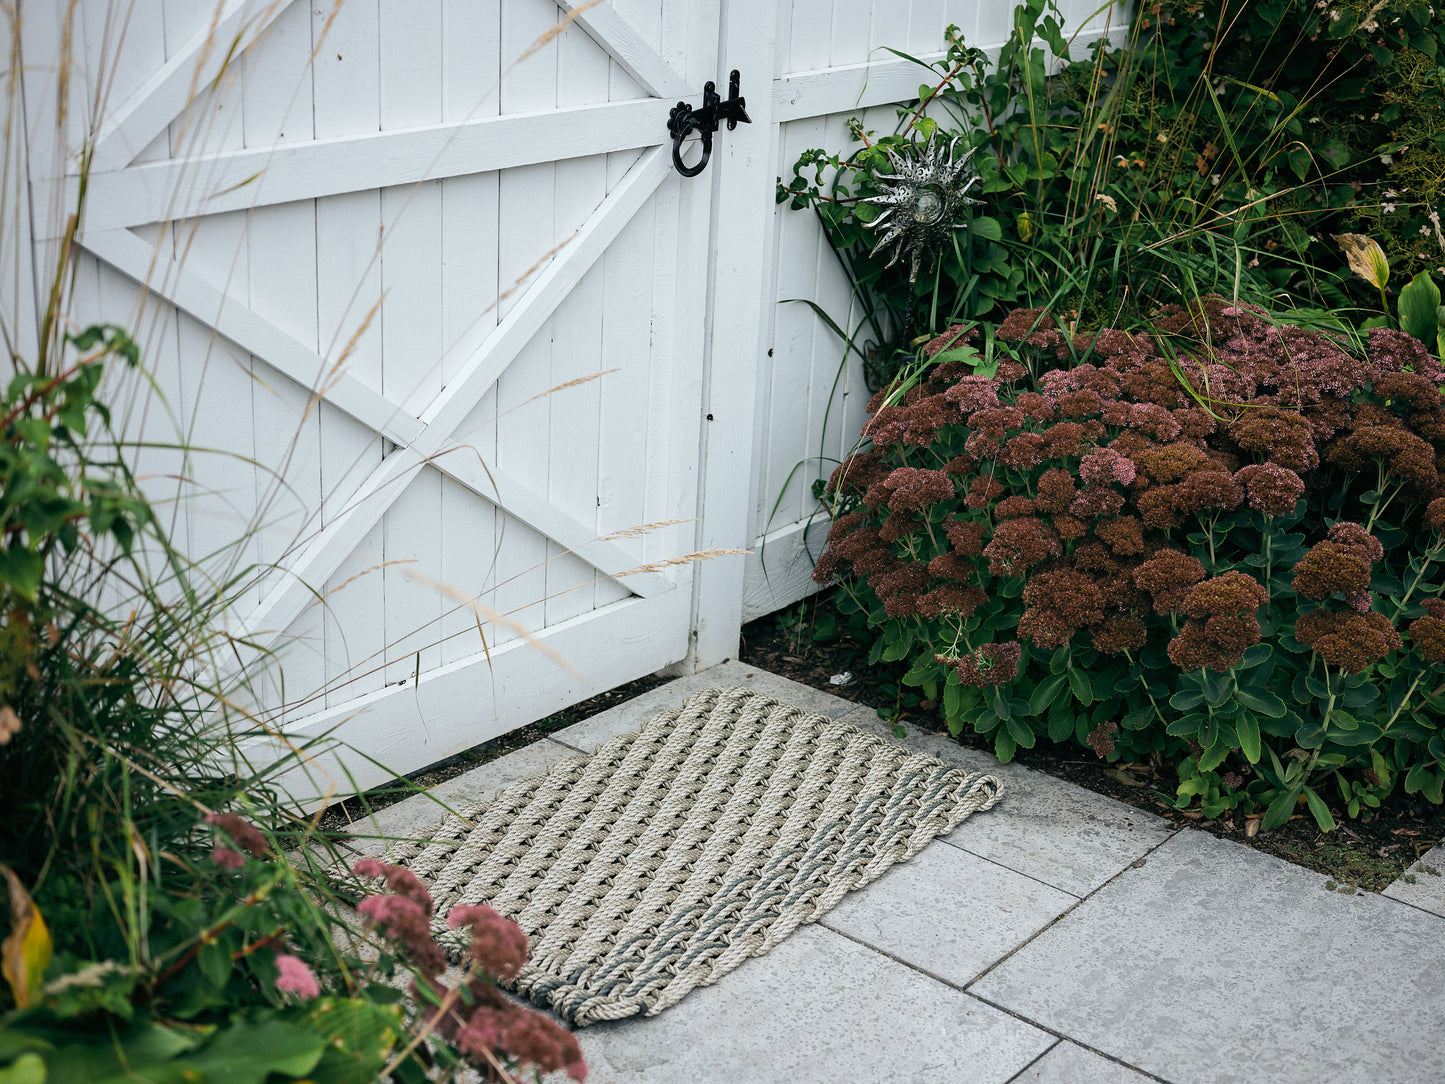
(410,726)
(779,571)
(276,83)
(129,127)
(575,419)
(744,179)
(411,336)
(637,58)
(527,235)
(323,167)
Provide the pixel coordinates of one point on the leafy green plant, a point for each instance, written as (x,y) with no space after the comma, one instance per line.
(1221,542)
(239,976)
(1211,153)
(1419,311)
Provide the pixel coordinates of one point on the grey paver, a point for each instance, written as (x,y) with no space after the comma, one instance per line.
(817,1008)
(625,718)
(1070,1063)
(1217,963)
(948,913)
(412,817)
(1044,827)
(1428,890)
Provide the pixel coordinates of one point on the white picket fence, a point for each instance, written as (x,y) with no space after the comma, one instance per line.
(443,328)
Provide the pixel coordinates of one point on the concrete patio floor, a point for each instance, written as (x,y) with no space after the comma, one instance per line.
(1060,938)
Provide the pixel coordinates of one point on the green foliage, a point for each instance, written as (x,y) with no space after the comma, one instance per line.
(1220,544)
(175,956)
(1215,152)
(44,423)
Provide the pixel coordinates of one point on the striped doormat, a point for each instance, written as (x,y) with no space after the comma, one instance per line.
(669,856)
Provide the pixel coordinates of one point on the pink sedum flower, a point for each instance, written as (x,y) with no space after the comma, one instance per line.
(295,977)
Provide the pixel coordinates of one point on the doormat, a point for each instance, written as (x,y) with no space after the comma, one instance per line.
(669,856)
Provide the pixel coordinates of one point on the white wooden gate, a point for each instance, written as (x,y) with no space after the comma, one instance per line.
(423,294)
(360,240)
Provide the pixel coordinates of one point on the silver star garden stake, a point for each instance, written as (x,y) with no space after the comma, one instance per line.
(923,197)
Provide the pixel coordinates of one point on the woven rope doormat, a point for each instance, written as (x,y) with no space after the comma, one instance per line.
(669,856)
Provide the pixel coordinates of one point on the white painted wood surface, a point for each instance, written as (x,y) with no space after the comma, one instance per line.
(416,281)
(421,292)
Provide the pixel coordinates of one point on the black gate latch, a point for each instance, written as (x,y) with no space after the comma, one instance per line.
(684,119)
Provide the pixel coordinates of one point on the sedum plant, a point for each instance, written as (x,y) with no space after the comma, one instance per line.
(1219,543)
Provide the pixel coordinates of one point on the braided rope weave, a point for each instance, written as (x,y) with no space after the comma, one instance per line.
(669,856)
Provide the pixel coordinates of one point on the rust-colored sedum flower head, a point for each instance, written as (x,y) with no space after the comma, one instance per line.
(1428,633)
(988,666)
(1330,567)
(1060,602)
(1352,536)
(1270,488)
(912,489)
(1229,594)
(1119,633)
(965,535)
(1279,436)
(1349,640)
(1408,458)
(1208,491)
(1435,515)
(1168,577)
(1021,544)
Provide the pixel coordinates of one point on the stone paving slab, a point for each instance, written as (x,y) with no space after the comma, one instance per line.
(590,733)
(947,912)
(1046,828)
(1428,890)
(1069,1063)
(818,1008)
(1214,964)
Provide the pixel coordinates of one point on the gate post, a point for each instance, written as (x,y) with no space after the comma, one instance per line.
(742,173)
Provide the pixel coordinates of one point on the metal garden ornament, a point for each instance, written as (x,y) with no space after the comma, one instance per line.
(923,196)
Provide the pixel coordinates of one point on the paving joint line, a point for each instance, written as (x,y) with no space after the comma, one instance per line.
(1064,914)
(1058,1035)
(1017,872)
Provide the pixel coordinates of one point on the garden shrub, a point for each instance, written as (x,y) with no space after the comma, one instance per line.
(1219,542)
(152,931)
(1221,148)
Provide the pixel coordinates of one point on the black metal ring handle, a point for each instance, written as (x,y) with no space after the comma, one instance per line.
(682,123)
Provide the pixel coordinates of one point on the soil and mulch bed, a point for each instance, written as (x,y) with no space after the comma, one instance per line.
(1367,853)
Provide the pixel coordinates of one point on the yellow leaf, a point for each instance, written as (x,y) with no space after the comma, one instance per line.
(1366,257)
(25,954)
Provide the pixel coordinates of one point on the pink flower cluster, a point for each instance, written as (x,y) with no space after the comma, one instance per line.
(1086,483)
(486,1025)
